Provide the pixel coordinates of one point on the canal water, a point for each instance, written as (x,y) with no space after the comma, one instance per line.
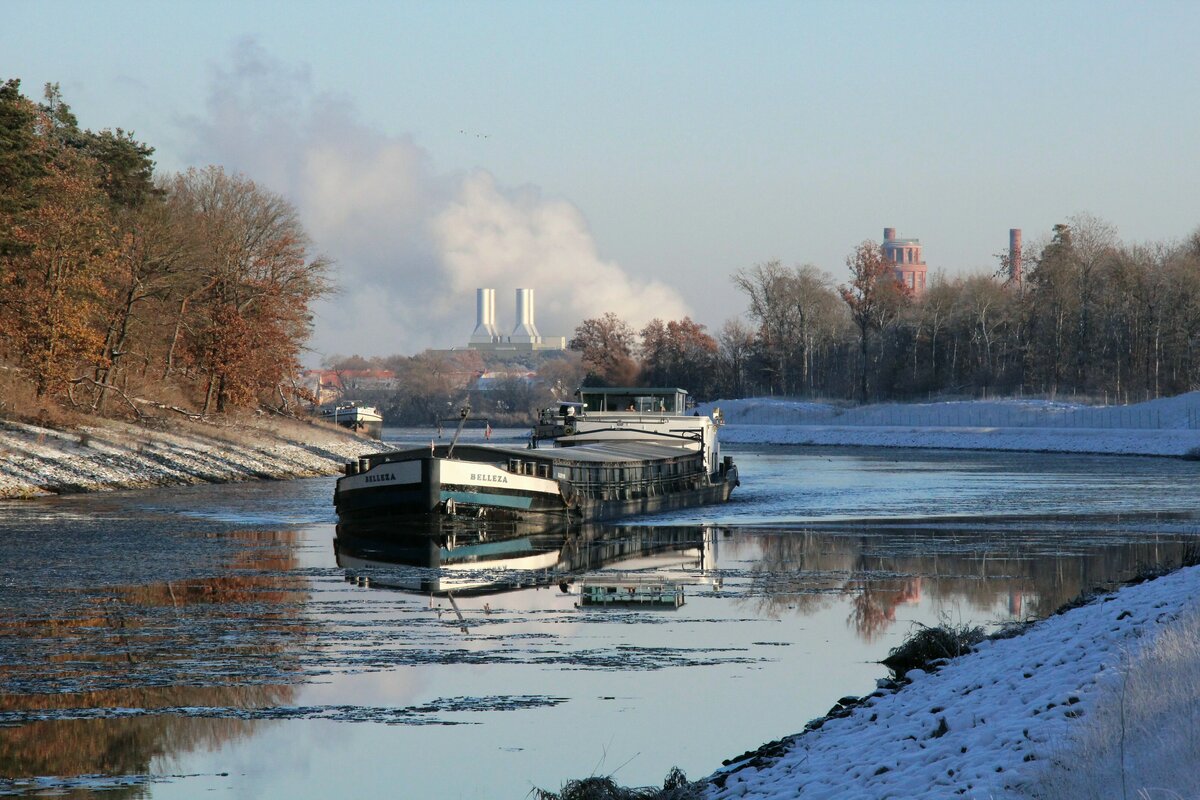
(211,641)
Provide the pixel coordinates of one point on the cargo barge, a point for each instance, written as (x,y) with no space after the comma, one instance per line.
(618,452)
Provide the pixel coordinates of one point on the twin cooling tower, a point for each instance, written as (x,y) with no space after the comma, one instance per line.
(525,331)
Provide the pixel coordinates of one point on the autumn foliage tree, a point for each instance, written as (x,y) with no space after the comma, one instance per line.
(58,248)
(115,283)
(251,287)
(677,353)
(155,249)
(672,353)
(607,344)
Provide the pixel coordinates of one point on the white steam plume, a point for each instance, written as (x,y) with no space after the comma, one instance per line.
(410,245)
(487,237)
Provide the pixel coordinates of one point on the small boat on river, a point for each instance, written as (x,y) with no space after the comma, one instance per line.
(618,452)
(355,417)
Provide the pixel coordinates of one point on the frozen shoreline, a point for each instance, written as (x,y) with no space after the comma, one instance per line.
(988,724)
(1165,427)
(107,455)
(1175,444)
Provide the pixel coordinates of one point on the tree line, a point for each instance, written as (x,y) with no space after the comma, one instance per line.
(120,288)
(1091,317)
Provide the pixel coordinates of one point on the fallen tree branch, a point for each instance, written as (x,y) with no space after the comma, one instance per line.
(133,402)
(176,409)
(104,387)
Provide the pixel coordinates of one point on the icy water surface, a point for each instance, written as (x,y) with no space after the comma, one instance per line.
(205,641)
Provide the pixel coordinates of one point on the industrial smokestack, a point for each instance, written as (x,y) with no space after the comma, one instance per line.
(485,317)
(492,315)
(1014,256)
(526,330)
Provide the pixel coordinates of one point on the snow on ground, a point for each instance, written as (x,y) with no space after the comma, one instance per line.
(1164,427)
(985,725)
(107,454)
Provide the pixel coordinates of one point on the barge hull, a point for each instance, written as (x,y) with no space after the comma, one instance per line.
(433,486)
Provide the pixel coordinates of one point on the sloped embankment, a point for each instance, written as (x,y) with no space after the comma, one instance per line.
(989,724)
(106,454)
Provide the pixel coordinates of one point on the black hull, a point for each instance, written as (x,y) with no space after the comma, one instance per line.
(709,494)
(426,502)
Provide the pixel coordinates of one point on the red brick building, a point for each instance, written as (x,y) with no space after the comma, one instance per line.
(910,263)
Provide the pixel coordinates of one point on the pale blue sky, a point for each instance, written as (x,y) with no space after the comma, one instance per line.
(693,139)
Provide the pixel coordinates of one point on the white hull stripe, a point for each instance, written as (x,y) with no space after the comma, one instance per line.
(453,473)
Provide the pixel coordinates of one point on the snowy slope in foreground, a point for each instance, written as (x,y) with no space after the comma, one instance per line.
(984,724)
(1165,427)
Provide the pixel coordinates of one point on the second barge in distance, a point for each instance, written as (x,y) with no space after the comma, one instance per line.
(618,452)
(355,417)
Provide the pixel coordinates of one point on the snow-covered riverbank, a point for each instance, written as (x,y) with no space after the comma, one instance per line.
(106,454)
(1165,427)
(1055,713)
(1019,717)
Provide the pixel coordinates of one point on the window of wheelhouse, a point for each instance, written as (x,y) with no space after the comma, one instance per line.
(642,401)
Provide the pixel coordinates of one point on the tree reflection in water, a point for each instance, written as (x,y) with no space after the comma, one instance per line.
(874,604)
(224,641)
(1020,573)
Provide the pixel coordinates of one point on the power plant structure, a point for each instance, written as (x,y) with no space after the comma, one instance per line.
(485,316)
(525,332)
(524,337)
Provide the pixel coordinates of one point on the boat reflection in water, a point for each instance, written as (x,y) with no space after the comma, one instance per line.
(475,561)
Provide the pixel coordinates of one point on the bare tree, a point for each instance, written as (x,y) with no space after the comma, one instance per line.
(736,343)
(874,296)
(797,312)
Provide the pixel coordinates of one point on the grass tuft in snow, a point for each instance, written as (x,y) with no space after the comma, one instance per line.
(1142,738)
(928,644)
(675,787)
(1082,599)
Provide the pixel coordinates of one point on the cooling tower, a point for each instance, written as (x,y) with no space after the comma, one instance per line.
(485,317)
(525,331)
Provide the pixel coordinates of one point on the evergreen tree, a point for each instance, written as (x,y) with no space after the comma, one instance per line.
(22,161)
